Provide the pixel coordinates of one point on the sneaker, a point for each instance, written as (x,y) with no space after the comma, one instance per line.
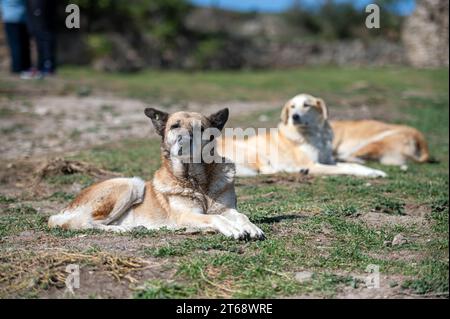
(31,74)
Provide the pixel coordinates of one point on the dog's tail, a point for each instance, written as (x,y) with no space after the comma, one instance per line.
(422,154)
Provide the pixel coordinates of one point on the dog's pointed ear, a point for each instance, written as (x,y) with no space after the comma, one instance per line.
(320,103)
(285,113)
(159,119)
(219,119)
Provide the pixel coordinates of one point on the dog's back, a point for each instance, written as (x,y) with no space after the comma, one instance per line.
(374,140)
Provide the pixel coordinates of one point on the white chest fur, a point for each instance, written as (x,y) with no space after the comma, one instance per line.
(312,152)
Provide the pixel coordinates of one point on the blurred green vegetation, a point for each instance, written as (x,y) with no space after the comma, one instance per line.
(160,28)
(342,20)
(269,85)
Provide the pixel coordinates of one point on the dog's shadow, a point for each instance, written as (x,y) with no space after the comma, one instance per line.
(280,218)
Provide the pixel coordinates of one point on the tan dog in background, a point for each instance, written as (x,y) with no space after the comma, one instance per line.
(181,195)
(303,142)
(356,141)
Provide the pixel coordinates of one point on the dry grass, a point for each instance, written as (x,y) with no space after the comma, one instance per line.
(24,270)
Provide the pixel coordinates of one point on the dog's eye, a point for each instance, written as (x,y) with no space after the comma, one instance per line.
(292,106)
(174,126)
(306,105)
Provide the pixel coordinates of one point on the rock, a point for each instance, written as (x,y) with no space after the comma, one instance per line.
(399,240)
(27,234)
(425,34)
(393,284)
(387,243)
(303,276)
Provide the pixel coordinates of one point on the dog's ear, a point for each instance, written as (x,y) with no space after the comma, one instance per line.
(320,103)
(219,119)
(285,113)
(159,119)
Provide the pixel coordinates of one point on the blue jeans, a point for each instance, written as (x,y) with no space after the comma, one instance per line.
(19,46)
(41,23)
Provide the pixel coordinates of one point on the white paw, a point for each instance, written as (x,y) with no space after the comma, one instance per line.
(252,231)
(236,229)
(377,173)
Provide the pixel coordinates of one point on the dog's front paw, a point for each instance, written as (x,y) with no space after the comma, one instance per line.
(252,231)
(238,229)
(228,228)
(245,226)
(375,173)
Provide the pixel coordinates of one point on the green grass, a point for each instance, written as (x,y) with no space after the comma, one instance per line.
(317,225)
(174,87)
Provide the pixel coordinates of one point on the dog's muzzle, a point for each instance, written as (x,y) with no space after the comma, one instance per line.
(184,145)
(296,119)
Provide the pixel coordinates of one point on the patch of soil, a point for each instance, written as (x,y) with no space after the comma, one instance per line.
(102,274)
(24,178)
(378,220)
(361,108)
(55,124)
(384,291)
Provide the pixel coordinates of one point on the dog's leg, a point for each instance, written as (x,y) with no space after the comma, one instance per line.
(393,159)
(112,228)
(352,159)
(134,195)
(243,222)
(193,220)
(346,169)
(102,205)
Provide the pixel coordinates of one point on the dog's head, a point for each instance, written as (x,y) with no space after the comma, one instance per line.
(304,111)
(185,135)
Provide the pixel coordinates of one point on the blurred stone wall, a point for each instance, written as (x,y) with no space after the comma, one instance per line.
(259,41)
(425,34)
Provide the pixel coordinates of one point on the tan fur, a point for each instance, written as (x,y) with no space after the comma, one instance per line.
(373,140)
(194,196)
(300,145)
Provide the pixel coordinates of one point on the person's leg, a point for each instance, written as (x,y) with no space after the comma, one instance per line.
(24,39)
(41,17)
(19,46)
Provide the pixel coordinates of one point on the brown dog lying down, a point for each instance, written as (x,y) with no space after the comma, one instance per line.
(182,194)
(302,143)
(356,141)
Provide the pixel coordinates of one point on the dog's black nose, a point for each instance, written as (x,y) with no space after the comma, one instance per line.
(296,118)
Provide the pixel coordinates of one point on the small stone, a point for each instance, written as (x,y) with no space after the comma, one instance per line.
(399,240)
(404,168)
(303,276)
(393,284)
(27,233)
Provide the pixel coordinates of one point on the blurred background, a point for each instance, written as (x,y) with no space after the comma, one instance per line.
(203,55)
(129,36)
